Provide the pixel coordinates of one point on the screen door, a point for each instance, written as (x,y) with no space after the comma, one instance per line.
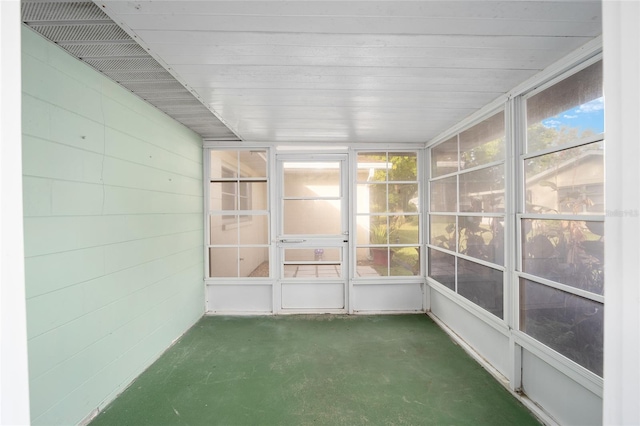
(312,232)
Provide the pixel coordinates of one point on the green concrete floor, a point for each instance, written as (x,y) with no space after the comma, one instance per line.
(315,370)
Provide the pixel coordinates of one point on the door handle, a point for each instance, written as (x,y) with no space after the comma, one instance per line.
(292,241)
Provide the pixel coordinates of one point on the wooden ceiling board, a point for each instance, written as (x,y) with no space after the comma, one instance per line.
(353,71)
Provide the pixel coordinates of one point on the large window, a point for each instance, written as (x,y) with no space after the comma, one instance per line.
(387,214)
(561,218)
(558,194)
(238,214)
(467,214)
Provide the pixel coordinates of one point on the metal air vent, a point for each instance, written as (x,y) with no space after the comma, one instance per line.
(86,32)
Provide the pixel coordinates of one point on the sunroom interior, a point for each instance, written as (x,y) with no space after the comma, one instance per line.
(174,160)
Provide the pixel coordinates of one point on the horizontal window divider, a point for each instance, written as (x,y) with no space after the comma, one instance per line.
(481,262)
(469,258)
(385,182)
(584,217)
(239,212)
(482,166)
(312,262)
(315,198)
(238,281)
(238,245)
(564,287)
(390,245)
(242,179)
(311,281)
(443,213)
(573,144)
(575,371)
(388,280)
(482,214)
(487,317)
(444,250)
(389,214)
(448,175)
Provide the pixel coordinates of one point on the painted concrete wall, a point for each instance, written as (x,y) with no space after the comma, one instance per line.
(113,233)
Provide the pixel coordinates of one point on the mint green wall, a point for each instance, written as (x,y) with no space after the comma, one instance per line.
(113,233)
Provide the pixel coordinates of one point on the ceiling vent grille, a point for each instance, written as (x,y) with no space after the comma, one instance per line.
(86,32)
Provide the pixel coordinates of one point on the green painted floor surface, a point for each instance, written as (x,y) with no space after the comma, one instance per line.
(315,370)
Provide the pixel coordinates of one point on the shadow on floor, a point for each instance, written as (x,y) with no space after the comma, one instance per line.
(315,370)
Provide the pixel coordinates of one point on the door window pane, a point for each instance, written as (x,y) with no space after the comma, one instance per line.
(312,179)
(569,324)
(312,217)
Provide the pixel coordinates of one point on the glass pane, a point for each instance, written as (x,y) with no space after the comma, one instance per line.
(254,229)
(223,262)
(444,195)
(253,164)
(482,190)
(404,166)
(403,197)
(312,217)
(442,268)
(404,261)
(570,110)
(444,157)
(254,261)
(314,254)
(481,285)
(224,164)
(365,269)
(442,231)
(407,230)
(323,263)
(483,143)
(569,324)
(482,238)
(569,181)
(372,198)
(373,166)
(570,252)
(312,179)
(224,229)
(381,230)
(257,193)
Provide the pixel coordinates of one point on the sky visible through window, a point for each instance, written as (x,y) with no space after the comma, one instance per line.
(588,116)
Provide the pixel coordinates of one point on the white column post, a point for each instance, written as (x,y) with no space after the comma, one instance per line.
(14,378)
(621,37)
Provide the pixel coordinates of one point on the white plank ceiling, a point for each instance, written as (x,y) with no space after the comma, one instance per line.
(353,71)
